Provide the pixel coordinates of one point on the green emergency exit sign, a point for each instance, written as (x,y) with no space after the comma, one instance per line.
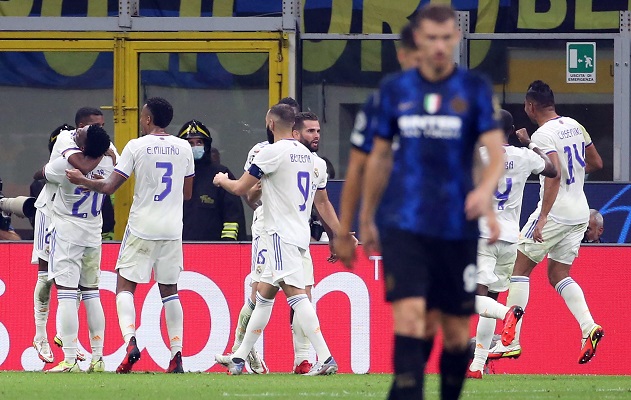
(581,62)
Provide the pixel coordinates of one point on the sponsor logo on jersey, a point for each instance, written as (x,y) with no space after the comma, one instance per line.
(430,126)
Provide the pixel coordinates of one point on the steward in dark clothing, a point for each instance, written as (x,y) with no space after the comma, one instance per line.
(211,214)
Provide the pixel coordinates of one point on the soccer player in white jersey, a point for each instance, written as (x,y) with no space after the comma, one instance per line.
(556,227)
(259,250)
(64,143)
(75,255)
(286,169)
(495,261)
(164,169)
(307,131)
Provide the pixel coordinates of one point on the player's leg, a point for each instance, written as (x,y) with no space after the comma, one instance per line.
(41,294)
(405,261)
(168,261)
(133,267)
(454,286)
(89,287)
(302,345)
(258,321)
(64,267)
(258,258)
(559,263)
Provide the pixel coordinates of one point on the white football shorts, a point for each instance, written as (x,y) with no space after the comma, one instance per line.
(495,264)
(560,242)
(72,266)
(286,262)
(138,257)
(41,237)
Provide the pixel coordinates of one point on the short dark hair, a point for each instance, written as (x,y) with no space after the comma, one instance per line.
(540,93)
(161,111)
(291,102)
(285,114)
(434,12)
(97,141)
(84,113)
(53,136)
(301,117)
(506,122)
(407,37)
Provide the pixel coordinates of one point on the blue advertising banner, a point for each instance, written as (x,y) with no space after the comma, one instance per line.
(613,200)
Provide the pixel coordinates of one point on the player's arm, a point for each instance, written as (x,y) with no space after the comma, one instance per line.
(188,187)
(351,190)
(241,186)
(253,197)
(107,186)
(550,169)
(593,160)
(478,201)
(326,212)
(378,168)
(82,162)
(550,190)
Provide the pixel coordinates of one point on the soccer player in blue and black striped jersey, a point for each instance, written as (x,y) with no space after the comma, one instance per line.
(420,171)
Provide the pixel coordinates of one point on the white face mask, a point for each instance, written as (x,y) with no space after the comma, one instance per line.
(198,152)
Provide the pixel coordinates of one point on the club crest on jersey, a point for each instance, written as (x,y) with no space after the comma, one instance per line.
(316,172)
(459,105)
(432,103)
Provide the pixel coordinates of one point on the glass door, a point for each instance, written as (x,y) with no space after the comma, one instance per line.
(226,84)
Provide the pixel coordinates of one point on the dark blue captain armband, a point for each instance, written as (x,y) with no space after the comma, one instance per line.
(255,171)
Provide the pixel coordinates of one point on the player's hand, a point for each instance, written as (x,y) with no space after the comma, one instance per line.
(97,176)
(332,257)
(110,153)
(75,176)
(494,227)
(537,235)
(345,246)
(370,237)
(523,136)
(477,203)
(220,177)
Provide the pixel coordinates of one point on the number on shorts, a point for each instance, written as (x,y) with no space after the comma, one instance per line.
(503,196)
(166,179)
(469,278)
(570,162)
(303,186)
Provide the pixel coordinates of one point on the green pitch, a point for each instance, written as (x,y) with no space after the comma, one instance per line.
(190,386)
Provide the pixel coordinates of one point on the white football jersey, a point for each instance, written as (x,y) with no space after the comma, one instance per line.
(519,163)
(160,163)
(320,172)
(288,175)
(258,224)
(64,146)
(76,215)
(568,139)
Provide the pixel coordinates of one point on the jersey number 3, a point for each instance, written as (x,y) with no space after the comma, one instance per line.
(166,179)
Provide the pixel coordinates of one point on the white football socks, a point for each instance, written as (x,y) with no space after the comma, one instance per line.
(490,308)
(310,324)
(126,314)
(174,316)
(68,321)
(518,293)
(575,301)
(302,345)
(258,321)
(483,338)
(242,323)
(96,320)
(41,302)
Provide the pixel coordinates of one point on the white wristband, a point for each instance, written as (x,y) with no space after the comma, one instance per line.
(532,145)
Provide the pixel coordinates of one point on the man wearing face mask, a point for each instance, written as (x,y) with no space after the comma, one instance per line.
(211,214)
